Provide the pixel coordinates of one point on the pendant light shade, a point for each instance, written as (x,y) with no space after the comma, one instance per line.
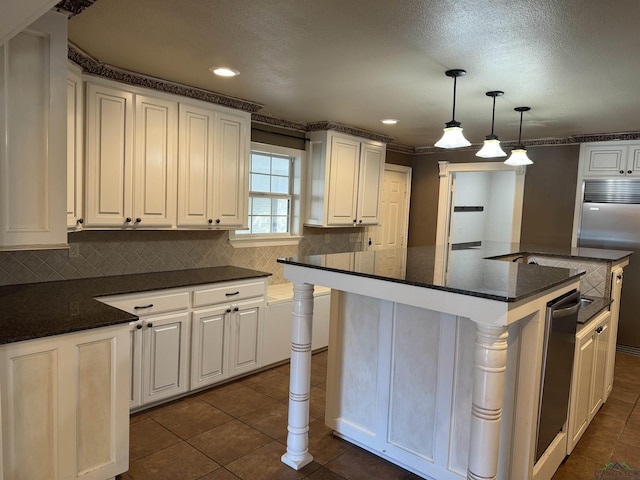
(519,152)
(453,137)
(491,147)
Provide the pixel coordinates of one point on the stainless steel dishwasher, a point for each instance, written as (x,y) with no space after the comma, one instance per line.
(557,368)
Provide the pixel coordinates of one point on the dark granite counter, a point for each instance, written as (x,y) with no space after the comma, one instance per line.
(591,309)
(36,310)
(474,271)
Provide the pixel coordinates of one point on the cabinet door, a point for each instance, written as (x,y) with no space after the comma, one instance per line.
(600,368)
(277,333)
(33,83)
(208,352)
(165,356)
(231,165)
(604,160)
(245,337)
(633,161)
(135,351)
(342,196)
(75,128)
(155,163)
(195,166)
(370,183)
(109,156)
(581,389)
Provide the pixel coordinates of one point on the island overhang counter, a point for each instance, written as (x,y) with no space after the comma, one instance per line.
(438,373)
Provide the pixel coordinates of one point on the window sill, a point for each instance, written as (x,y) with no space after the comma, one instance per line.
(239,242)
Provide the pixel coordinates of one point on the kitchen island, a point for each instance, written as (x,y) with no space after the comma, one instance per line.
(437,371)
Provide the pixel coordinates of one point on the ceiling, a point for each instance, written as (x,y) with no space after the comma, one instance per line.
(355,62)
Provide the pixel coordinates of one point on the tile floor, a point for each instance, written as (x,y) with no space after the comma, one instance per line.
(238,431)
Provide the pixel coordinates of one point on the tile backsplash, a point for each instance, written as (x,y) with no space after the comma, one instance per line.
(103,253)
(596,280)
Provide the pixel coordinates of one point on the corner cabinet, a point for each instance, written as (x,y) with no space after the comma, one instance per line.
(212,167)
(65,413)
(345,180)
(610,159)
(33,102)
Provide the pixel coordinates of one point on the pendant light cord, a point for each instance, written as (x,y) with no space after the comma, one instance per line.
(520,132)
(453,114)
(493,115)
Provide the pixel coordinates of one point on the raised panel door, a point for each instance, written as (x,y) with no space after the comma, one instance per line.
(231,186)
(155,163)
(165,356)
(581,389)
(33,92)
(342,195)
(370,183)
(604,160)
(245,338)
(109,156)
(195,166)
(633,161)
(75,128)
(600,368)
(208,350)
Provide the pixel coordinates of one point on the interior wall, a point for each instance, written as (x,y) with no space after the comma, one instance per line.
(502,189)
(472,190)
(549,194)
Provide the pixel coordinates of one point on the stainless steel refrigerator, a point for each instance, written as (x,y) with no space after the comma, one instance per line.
(611,219)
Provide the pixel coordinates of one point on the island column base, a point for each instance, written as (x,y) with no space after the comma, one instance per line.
(297,455)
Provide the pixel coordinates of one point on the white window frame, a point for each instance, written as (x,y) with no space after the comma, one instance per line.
(295,221)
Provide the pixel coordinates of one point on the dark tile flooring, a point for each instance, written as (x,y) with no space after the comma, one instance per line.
(239,431)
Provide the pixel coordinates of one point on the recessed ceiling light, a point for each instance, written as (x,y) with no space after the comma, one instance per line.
(224,71)
(389,121)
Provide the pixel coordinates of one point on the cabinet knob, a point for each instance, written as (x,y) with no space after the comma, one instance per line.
(217,220)
(629,172)
(210,221)
(80,221)
(619,277)
(149,324)
(138,220)
(235,309)
(599,330)
(621,172)
(355,220)
(228,310)
(360,221)
(139,326)
(127,220)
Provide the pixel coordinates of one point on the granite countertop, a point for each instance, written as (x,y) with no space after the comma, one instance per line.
(587,312)
(475,271)
(37,310)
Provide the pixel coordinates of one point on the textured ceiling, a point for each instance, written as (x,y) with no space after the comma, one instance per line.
(355,62)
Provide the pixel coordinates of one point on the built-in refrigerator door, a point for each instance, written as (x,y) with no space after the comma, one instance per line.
(617,226)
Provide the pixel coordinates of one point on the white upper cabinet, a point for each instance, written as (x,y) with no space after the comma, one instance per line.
(213,166)
(33,93)
(75,143)
(155,162)
(345,176)
(109,156)
(231,165)
(610,159)
(127,187)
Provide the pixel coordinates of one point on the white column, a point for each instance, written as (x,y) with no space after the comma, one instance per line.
(490,363)
(297,455)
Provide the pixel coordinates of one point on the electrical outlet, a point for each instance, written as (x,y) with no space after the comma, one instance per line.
(327,238)
(74,250)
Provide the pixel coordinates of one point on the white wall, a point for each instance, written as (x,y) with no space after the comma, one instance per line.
(500,207)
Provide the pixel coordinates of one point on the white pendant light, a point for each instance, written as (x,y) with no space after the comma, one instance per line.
(453,137)
(519,152)
(491,147)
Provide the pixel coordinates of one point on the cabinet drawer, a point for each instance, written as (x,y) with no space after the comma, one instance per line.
(228,292)
(149,303)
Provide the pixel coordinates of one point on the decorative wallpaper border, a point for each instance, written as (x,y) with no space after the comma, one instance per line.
(93,67)
(74,7)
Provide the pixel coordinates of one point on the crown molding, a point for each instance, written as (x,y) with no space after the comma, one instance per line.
(358,132)
(278,122)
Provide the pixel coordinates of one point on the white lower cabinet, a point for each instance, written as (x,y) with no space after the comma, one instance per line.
(590,366)
(64,403)
(192,337)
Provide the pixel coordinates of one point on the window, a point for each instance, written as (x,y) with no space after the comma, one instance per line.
(274,184)
(269,194)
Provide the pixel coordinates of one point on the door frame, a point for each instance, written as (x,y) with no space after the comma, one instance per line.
(445,205)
